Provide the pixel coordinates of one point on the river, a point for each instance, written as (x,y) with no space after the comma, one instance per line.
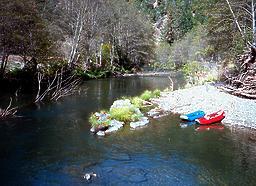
(51,145)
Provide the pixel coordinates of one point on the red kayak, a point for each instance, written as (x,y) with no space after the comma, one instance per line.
(211,118)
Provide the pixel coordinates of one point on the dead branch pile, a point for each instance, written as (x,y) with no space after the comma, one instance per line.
(9,111)
(57,87)
(243,81)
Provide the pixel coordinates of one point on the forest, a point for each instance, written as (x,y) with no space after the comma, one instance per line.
(64,42)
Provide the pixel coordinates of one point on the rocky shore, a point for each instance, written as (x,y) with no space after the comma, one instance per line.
(239,111)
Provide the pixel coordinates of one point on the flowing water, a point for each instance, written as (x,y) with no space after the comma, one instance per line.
(52,145)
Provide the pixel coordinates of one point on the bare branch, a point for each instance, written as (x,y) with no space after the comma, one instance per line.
(9,111)
(58,87)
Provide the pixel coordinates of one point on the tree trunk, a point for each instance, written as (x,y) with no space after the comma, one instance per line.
(101,54)
(236,21)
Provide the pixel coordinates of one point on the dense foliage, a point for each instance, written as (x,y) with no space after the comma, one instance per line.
(90,37)
(202,32)
(96,38)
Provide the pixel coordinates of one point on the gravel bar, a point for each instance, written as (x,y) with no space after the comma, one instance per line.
(239,111)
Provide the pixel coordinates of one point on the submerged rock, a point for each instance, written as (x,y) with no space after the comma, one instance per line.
(142,122)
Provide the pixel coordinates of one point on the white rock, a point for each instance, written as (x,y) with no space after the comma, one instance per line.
(114,126)
(116,123)
(101,133)
(92,129)
(88,176)
(121,103)
(142,122)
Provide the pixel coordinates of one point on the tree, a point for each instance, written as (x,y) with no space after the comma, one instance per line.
(22,32)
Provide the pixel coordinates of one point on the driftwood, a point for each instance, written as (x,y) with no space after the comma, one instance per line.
(243,81)
(9,111)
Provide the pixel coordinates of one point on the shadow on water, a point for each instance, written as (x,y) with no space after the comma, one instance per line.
(52,145)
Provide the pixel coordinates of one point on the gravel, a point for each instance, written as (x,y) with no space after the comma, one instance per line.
(239,111)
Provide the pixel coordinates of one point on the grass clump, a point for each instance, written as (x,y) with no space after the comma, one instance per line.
(156,93)
(137,102)
(147,95)
(125,114)
(100,119)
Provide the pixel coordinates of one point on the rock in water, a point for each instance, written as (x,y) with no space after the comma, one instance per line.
(93,129)
(142,122)
(88,176)
(101,133)
(114,126)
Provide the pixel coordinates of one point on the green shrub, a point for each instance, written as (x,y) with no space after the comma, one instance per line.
(156,93)
(167,90)
(210,78)
(137,102)
(192,68)
(146,95)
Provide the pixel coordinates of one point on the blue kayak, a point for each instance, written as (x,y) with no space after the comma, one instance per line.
(193,116)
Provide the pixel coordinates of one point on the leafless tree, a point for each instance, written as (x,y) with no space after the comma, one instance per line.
(93,24)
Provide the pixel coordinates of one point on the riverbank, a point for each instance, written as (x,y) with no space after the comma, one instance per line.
(239,111)
(145,74)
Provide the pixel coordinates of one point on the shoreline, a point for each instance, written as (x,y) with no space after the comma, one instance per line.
(144,74)
(240,112)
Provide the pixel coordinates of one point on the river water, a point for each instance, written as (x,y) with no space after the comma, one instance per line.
(51,145)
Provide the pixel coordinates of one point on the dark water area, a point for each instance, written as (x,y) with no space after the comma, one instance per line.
(51,145)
